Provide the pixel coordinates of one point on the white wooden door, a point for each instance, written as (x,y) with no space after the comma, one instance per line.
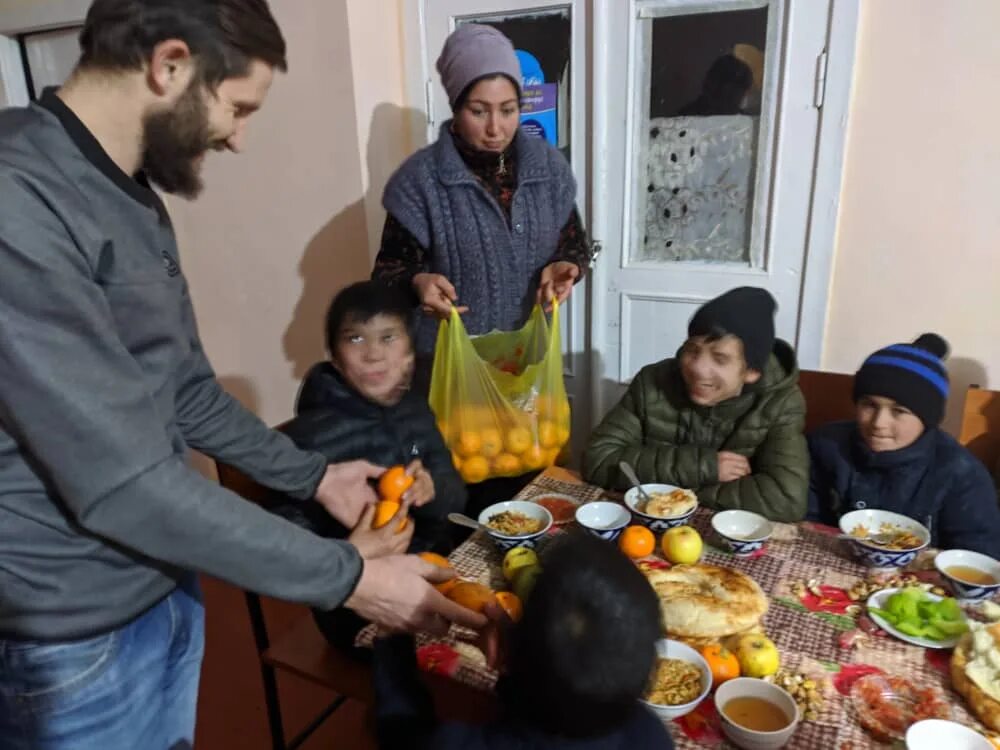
(555,34)
(706,179)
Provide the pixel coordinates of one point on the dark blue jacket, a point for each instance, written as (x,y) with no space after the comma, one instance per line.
(335,420)
(935,481)
(405,718)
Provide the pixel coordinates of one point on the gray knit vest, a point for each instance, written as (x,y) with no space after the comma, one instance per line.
(494,265)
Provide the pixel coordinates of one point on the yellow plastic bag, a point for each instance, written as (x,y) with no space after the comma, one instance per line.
(499,398)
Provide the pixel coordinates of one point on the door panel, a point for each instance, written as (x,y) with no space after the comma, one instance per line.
(705,159)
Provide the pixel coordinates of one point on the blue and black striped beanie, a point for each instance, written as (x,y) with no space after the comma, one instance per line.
(910,374)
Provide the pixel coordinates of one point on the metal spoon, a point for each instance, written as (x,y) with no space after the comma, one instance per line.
(463,520)
(629,473)
(880,539)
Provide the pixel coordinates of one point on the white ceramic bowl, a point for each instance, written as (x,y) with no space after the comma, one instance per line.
(532,510)
(668,649)
(743,531)
(603,519)
(938,734)
(873,555)
(656,524)
(749,687)
(968,559)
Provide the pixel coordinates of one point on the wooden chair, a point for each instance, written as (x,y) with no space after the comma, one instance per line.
(299,651)
(980,429)
(829,397)
(304,652)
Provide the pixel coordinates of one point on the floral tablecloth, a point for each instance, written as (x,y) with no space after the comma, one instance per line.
(813,628)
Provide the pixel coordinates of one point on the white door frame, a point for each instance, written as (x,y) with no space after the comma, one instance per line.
(836,88)
(28,16)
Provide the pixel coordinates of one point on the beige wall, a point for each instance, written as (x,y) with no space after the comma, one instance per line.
(918,244)
(281,227)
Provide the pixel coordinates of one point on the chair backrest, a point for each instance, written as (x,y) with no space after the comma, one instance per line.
(980,430)
(829,397)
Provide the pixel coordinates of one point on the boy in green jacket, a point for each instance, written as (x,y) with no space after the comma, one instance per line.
(724,418)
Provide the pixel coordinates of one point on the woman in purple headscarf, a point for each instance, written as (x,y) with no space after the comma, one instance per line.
(484,218)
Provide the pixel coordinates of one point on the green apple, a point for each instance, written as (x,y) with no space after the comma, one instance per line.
(517,558)
(524,581)
(757,655)
(681,545)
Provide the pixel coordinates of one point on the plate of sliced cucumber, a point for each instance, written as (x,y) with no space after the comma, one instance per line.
(918,616)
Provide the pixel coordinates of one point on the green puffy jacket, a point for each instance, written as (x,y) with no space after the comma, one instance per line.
(668,439)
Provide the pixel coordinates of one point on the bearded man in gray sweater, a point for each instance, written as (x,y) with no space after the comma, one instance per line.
(105,388)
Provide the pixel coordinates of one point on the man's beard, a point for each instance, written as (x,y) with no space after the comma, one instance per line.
(174,140)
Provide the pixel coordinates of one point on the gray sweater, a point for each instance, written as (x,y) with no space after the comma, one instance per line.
(493,264)
(104,388)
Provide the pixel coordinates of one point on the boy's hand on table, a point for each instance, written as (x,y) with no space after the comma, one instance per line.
(397,594)
(732,466)
(385,541)
(421,491)
(345,490)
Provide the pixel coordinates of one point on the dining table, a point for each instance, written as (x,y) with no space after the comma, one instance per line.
(823,634)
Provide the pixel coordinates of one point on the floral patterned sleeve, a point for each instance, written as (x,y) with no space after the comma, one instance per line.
(573,245)
(400,257)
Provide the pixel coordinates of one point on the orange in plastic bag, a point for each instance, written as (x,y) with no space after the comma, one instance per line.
(499,398)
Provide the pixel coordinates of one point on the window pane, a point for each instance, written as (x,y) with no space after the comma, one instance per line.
(542,41)
(52,56)
(701,125)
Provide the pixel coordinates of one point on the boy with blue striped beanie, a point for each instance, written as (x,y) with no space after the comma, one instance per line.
(894,456)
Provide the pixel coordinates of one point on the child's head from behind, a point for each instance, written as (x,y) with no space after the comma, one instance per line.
(368,337)
(729,341)
(582,655)
(900,392)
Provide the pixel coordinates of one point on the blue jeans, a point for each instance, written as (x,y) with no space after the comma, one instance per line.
(135,687)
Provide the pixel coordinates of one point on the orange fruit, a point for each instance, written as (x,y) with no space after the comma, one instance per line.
(511,604)
(548,435)
(393,483)
(492,442)
(637,541)
(440,560)
(468,444)
(505,463)
(474,469)
(456,461)
(384,512)
(517,440)
(562,435)
(722,663)
(471,595)
(533,458)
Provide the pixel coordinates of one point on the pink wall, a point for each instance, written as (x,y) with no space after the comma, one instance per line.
(282,226)
(919,228)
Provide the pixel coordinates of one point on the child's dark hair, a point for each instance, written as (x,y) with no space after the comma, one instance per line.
(359,303)
(583,654)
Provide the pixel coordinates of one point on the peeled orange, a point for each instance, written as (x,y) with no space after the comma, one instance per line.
(511,604)
(441,561)
(393,483)
(384,512)
(471,595)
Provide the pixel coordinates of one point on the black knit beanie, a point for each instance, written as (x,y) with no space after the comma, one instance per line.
(910,374)
(747,313)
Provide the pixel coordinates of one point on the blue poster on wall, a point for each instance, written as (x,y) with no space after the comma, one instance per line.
(538,101)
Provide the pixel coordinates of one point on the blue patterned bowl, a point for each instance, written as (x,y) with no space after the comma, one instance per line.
(656,524)
(603,519)
(532,510)
(961,588)
(744,532)
(874,555)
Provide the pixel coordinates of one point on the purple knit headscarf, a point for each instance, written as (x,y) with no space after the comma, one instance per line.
(472,51)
